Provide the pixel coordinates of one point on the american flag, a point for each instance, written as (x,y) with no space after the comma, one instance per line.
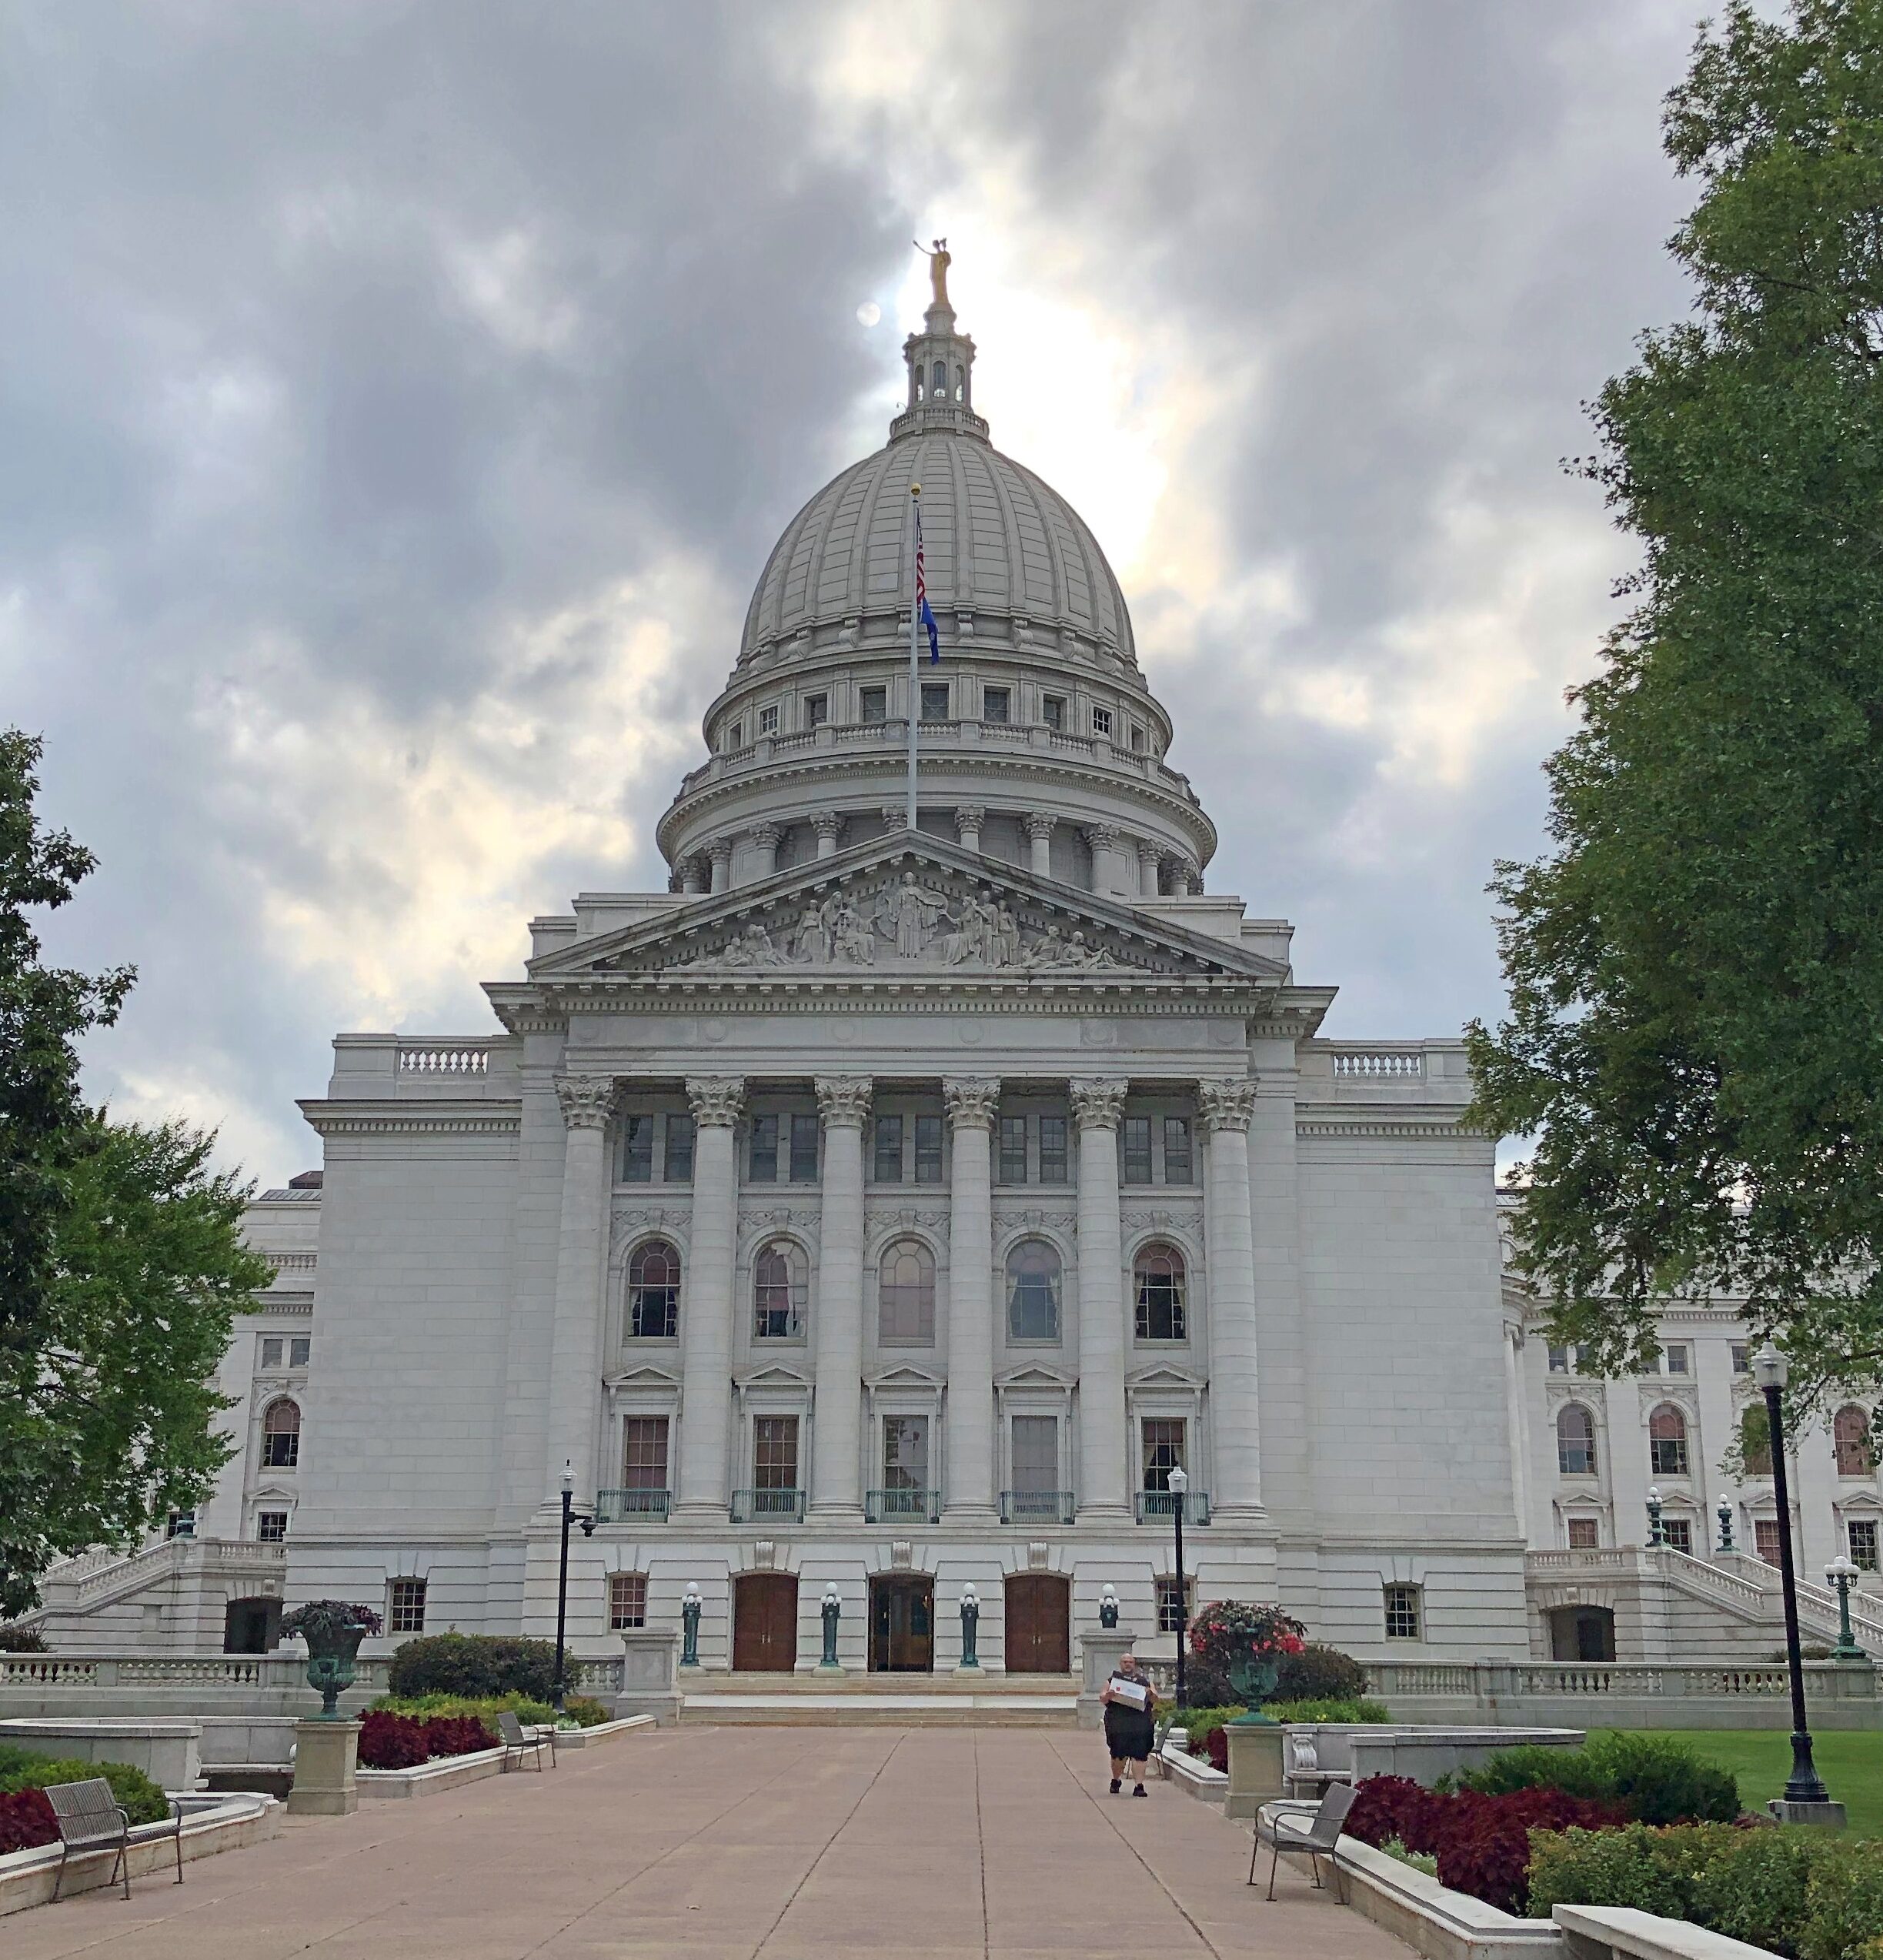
(922,599)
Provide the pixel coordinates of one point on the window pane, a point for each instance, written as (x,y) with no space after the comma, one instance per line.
(1176,1169)
(1101,721)
(271,1353)
(627,1601)
(680,1158)
(1575,1441)
(1584,1534)
(1052,1150)
(637,1150)
(768,721)
(804,1150)
(928,1150)
(762,1157)
(299,1350)
(1742,1357)
(1053,711)
(644,1453)
(1036,1453)
(1863,1541)
(1032,1271)
(817,710)
(653,1292)
(1679,1359)
(1136,1141)
(1157,1280)
(408,1607)
(1174,1601)
(281,1436)
(1765,1539)
(934,700)
(906,1306)
(994,704)
(775,1453)
(888,1150)
(1559,1361)
(905,1453)
(271,1526)
(872,704)
(1402,1612)
(778,1300)
(1679,1534)
(1855,1457)
(1013,1150)
(1163,1451)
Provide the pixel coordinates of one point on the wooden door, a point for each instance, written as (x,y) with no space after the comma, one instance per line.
(764,1623)
(1039,1624)
(902,1626)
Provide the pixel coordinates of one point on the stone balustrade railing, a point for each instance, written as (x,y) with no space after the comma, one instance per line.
(285,1670)
(1483,1681)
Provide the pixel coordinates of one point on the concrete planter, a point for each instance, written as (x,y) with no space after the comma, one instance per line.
(27,1877)
(431,1779)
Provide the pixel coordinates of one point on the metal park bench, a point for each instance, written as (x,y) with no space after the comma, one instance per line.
(516,1744)
(1294,1828)
(91,1818)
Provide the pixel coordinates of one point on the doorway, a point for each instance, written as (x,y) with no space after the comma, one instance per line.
(251,1626)
(902,1624)
(1582,1633)
(1039,1624)
(764,1623)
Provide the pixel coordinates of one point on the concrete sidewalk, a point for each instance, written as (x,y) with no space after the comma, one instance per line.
(712,1843)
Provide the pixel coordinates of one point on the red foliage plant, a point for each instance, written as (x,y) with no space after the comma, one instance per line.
(456,1735)
(26,1820)
(391,1741)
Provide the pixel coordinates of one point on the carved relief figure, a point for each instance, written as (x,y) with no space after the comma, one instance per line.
(812,940)
(910,913)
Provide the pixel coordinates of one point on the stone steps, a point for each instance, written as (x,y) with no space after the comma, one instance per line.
(888,1701)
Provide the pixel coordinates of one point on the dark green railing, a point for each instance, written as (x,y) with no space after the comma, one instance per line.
(1159,1507)
(912,1507)
(1036,1506)
(749,1507)
(625,1506)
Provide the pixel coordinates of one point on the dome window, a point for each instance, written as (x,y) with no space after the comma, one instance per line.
(941,378)
(1101,721)
(994,704)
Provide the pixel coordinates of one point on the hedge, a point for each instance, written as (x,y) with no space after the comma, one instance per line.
(20,1770)
(474,1664)
(1657,1780)
(583,1710)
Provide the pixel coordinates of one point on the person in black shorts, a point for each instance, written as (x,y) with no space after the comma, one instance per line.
(1129,1700)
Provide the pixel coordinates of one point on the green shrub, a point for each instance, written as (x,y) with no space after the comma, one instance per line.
(1843,1902)
(15,1639)
(1757,1891)
(1320,1674)
(146,1802)
(1360,1710)
(1425,1861)
(584,1711)
(1628,1867)
(486,1707)
(1200,1724)
(1659,1781)
(476,1665)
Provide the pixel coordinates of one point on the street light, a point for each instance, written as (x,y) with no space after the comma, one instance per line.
(560,1685)
(1726,1524)
(1805,1785)
(1655,1535)
(1178,1482)
(1842,1572)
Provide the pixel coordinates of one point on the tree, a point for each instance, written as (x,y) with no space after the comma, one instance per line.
(1695,1040)
(120,1254)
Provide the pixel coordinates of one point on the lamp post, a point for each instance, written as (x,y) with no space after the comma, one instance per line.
(1654,1534)
(1842,1574)
(1805,1785)
(1179,1482)
(1726,1524)
(560,1687)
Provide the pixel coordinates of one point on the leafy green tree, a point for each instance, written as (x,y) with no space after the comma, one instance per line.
(121,1256)
(1695,1039)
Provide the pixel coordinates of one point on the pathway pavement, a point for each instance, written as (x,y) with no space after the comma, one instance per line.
(707,1844)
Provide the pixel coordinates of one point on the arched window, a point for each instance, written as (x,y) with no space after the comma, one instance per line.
(1575,1440)
(1667,1441)
(281,1434)
(654,1292)
(1855,1457)
(1755,1441)
(941,378)
(1032,1284)
(778,1282)
(906,1297)
(1157,1280)
(960,384)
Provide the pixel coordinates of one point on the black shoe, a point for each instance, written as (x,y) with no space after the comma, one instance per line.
(1117,1785)
(1141,1792)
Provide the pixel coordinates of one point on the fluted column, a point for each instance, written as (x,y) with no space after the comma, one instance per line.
(719,854)
(766,837)
(1096,1103)
(844,1101)
(971,1455)
(1150,861)
(826,824)
(707,1297)
(968,819)
(1229,1246)
(581,1260)
(1039,841)
(693,880)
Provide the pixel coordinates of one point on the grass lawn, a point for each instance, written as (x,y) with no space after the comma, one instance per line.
(1850,1760)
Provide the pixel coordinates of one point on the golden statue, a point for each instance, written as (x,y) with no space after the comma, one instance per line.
(939,260)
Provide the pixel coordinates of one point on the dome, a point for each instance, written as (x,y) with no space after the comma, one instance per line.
(998,543)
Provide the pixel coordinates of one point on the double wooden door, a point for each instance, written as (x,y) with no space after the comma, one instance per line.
(764,1623)
(1039,1624)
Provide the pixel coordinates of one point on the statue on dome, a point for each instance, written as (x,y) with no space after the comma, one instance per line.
(939,260)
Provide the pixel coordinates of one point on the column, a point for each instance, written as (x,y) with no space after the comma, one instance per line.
(692,881)
(581,1261)
(1229,1246)
(1103,840)
(720,853)
(844,1102)
(1040,837)
(707,1298)
(1298,1397)
(766,837)
(1150,861)
(971,1457)
(825,824)
(1096,1103)
(968,818)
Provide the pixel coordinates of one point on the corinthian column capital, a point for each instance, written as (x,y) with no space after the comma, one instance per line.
(716,1099)
(588,1101)
(1040,826)
(844,1100)
(1226,1105)
(972,1100)
(1097,1101)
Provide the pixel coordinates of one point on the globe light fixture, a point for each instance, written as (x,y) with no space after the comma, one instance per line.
(1178,1482)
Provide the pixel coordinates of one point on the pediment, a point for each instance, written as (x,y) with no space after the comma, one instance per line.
(907,909)
(646,1374)
(1163,1375)
(774,1374)
(906,1375)
(1033,1375)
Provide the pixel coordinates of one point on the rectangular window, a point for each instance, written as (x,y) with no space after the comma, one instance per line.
(872,704)
(272,1351)
(1052,1150)
(1101,721)
(1559,1361)
(405,1608)
(1402,1612)
(271,1526)
(735,735)
(298,1350)
(644,1453)
(637,1150)
(627,1601)
(775,1453)
(180,1524)
(1679,1533)
(804,1150)
(1585,1534)
(768,721)
(1135,1137)
(1677,1359)
(995,702)
(1036,1453)
(928,1150)
(1863,1543)
(762,1155)
(1053,712)
(1163,1450)
(1175,1599)
(817,710)
(905,1453)
(1137,740)
(1765,1539)
(678,1166)
(1177,1158)
(1013,1150)
(1742,1357)
(934,700)
(889,1164)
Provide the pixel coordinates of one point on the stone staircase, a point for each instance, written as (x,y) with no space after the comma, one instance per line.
(881,1700)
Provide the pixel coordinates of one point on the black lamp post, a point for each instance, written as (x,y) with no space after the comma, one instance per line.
(1805,1785)
(560,1687)
(1179,1482)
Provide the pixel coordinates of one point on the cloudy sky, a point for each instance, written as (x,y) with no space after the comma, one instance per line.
(398,401)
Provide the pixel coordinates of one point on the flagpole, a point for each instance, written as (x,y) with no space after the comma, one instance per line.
(915,626)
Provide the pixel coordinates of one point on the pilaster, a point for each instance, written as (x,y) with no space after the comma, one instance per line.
(1097,1102)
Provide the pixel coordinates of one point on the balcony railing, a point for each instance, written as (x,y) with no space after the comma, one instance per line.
(621,1507)
(1036,1506)
(750,1506)
(909,1506)
(1159,1507)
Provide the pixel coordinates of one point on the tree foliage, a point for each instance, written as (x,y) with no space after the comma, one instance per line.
(120,1257)
(1695,1032)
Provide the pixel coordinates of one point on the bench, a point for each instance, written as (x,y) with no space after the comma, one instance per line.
(90,1818)
(517,1743)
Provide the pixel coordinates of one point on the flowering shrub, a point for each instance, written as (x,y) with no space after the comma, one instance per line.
(26,1820)
(321,1615)
(391,1741)
(1227,1631)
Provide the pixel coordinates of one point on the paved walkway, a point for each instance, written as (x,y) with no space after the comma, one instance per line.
(704,1843)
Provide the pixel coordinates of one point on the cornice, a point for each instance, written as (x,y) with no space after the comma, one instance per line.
(1371,1123)
(441,1118)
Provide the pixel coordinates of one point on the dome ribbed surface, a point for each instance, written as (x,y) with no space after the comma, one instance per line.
(996,539)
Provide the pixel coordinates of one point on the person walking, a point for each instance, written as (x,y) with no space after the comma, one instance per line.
(1129,1700)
